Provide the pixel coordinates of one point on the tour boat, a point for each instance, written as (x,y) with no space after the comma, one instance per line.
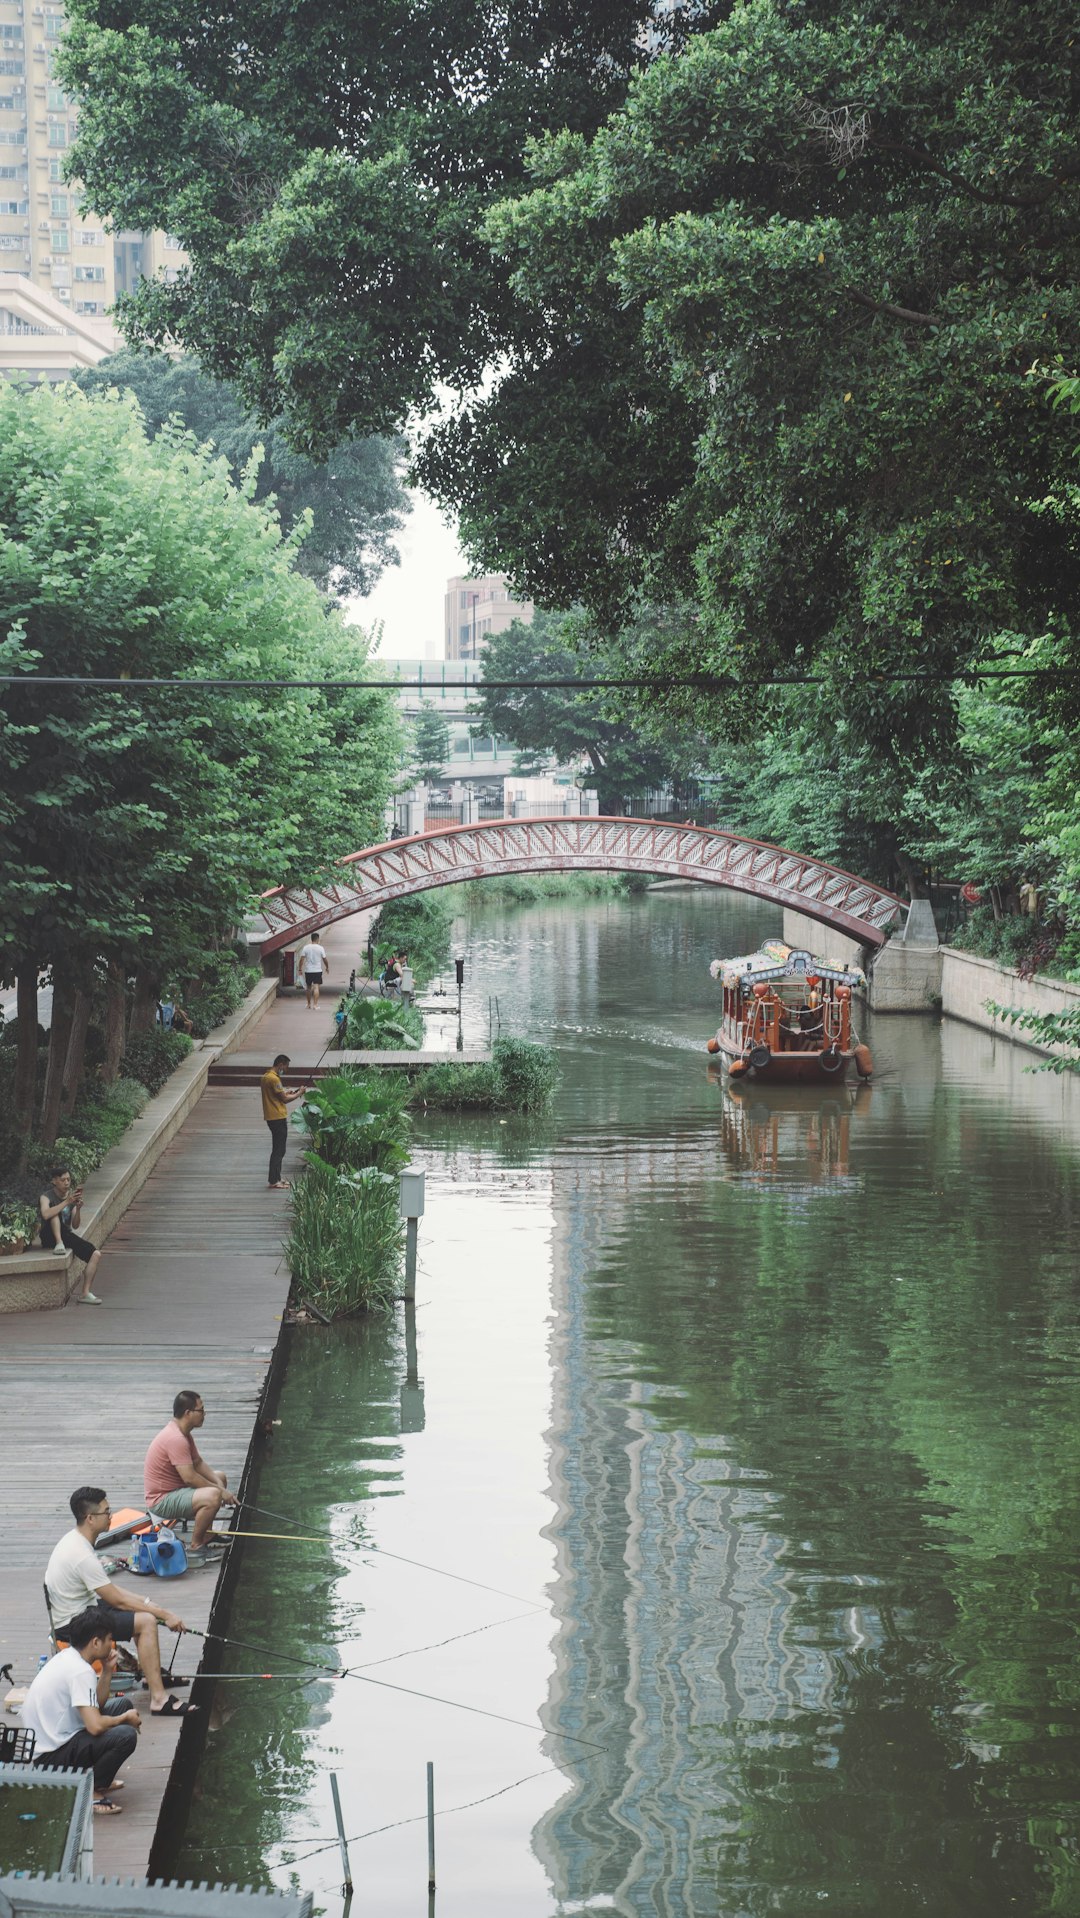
(787,1017)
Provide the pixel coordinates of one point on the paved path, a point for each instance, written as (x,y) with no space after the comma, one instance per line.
(193,1287)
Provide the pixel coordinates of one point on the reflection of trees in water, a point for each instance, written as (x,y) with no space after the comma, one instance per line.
(340,1395)
(877,1406)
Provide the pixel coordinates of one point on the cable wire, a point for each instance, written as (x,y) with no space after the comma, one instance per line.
(660,682)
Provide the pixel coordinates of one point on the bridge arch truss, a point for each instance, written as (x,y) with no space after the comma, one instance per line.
(448,855)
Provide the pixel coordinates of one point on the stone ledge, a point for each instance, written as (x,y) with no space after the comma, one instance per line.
(968,979)
(41,1281)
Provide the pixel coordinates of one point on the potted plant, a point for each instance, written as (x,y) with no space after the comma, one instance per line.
(18,1223)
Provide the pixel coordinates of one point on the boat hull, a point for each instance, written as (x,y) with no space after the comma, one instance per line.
(784,1068)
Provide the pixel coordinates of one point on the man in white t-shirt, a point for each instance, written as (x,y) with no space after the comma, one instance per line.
(315,968)
(75,1578)
(76,1725)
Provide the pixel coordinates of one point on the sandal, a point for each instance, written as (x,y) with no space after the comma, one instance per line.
(173,1708)
(281,1185)
(107,1808)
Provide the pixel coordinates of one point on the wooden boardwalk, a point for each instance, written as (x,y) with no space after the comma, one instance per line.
(193,1287)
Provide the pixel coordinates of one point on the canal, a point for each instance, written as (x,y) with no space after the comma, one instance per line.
(720,1550)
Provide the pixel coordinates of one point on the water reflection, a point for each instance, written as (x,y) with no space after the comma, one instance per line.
(790,1138)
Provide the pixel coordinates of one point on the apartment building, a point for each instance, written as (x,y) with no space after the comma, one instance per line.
(476,608)
(45,236)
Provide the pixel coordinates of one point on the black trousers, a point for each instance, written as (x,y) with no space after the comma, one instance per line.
(103,1753)
(279,1139)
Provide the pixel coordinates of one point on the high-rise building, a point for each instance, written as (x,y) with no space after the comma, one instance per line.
(45,237)
(476,608)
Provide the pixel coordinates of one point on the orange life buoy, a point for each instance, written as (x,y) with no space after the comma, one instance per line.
(713,1045)
(864,1064)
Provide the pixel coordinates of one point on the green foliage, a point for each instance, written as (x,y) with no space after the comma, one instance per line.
(380,1025)
(520,1078)
(81,1156)
(356,1120)
(528,1074)
(218,988)
(345,1238)
(355,499)
(598,730)
(420,925)
(152,1055)
(330,188)
(459,1088)
(138,826)
(1046,1029)
(430,742)
(18,1223)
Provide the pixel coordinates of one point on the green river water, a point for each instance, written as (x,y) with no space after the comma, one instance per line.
(754,1423)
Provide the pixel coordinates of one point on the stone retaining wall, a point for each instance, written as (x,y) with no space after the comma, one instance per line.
(43,1281)
(968,981)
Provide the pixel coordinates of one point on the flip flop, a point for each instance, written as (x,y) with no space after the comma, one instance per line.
(106,1808)
(282,1185)
(173,1708)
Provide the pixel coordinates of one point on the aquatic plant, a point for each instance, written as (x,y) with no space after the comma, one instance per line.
(520,1078)
(380,1025)
(355,1121)
(345,1242)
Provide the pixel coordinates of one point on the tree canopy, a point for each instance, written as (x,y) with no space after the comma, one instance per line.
(138,826)
(355,498)
(327,166)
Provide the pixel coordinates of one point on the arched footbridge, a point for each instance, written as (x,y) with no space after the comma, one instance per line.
(448,855)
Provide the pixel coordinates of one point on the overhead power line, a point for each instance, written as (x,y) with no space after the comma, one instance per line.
(660,682)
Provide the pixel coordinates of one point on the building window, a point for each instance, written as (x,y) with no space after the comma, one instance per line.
(54,26)
(56,169)
(57,134)
(89,306)
(12,136)
(172,244)
(61,239)
(14,207)
(11,36)
(12,173)
(11,243)
(57,100)
(89,272)
(11,66)
(91,236)
(59,206)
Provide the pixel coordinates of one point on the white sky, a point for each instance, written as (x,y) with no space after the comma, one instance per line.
(409,598)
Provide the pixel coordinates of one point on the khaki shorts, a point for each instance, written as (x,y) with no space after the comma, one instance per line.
(179,1504)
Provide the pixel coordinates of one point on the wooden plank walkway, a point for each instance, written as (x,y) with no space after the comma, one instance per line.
(193,1286)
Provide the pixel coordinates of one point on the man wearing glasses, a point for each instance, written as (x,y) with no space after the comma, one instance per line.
(75,1578)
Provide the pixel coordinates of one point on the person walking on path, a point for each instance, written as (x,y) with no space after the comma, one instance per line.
(76,1725)
(60,1206)
(76,1578)
(275,1104)
(315,967)
(177,1481)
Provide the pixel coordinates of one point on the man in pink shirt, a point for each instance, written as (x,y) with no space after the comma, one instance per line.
(177,1481)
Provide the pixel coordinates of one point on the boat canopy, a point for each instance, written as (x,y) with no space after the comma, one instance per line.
(775,961)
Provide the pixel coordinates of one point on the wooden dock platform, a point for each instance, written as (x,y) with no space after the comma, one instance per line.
(193,1287)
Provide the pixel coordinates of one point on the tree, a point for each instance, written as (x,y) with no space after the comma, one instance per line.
(329,179)
(430,742)
(784,302)
(138,826)
(561,724)
(356,500)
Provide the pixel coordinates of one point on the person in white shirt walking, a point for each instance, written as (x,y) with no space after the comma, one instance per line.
(315,968)
(76,1725)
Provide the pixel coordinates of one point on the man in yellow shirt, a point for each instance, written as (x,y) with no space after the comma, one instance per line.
(275,1103)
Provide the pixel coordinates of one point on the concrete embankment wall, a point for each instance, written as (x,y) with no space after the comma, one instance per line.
(812,936)
(968,981)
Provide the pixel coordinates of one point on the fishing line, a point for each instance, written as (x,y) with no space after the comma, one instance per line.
(384,1684)
(517,1598)
(440,1643)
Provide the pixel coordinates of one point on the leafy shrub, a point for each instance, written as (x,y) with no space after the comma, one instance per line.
(520,1078)
(345,1240)
(152,1055)
(104,1114)
(528,1074)
(18,1222)
(459,1087)
(356,1121)
(380,1025)
(79,1155)
(220,987)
